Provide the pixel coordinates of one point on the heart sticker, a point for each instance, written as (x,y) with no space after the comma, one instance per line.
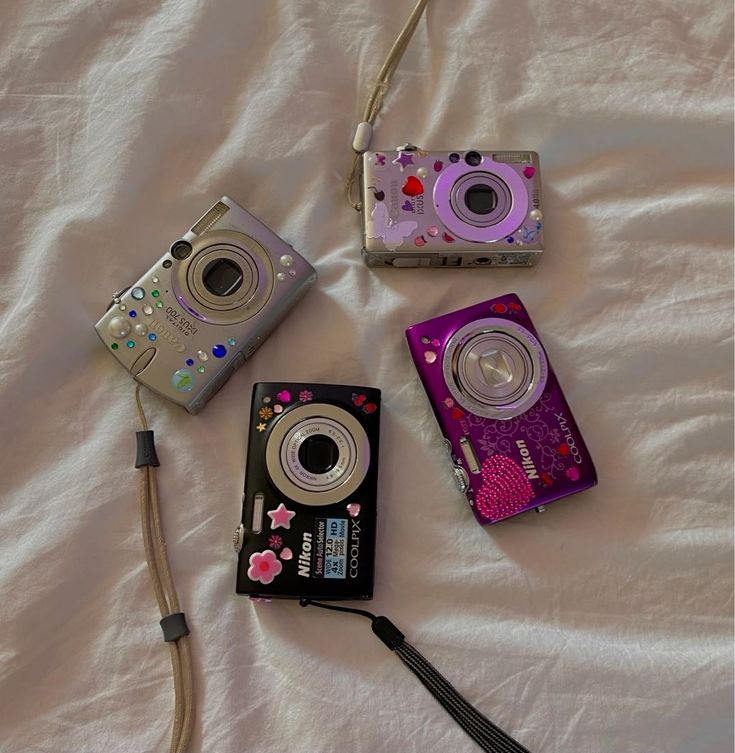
(432,230)
(449,402)
(563,449)
(284,396)
(438,165)
(358,400)
(286,553)
(505,488)
(514,307)
(499,308)
(420,241)
(407,206)
(370,408)
(573,473)
(529,171)
(457,414)
(448,238)
(413,186)
(353,509)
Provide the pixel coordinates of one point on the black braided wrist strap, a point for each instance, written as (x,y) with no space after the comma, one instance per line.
(487,735)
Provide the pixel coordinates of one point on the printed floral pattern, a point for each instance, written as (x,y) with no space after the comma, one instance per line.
(264,566)
(535,426)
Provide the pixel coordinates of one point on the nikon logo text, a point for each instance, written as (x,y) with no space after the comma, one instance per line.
(305,556)
(159,329)
(526,460)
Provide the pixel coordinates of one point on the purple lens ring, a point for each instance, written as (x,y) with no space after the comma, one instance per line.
(472,180)
(443,189)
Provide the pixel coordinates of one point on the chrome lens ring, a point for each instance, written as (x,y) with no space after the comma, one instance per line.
(458,199)
(495,368)
(288,472)
(250,296)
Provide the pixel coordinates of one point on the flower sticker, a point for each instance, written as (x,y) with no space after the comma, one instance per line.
(275,542)
(264,566)
(305,396)
(266,413)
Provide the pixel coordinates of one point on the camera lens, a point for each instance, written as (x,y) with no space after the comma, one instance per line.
(222,277)
(318,454)
(473,158)
(181,250)
(480,199)
(495,368)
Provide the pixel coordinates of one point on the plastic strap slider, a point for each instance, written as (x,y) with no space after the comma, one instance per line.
(145,450)
(174,626)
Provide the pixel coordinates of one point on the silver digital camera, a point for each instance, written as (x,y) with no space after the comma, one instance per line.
(191,320)
(451,209)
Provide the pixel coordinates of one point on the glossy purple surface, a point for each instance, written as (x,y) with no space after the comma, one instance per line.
(526,461)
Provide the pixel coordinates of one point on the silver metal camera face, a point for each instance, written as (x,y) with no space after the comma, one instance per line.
(186,325)
(317,454)
(495,368)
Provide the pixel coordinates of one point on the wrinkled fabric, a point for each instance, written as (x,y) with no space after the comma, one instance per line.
(603,624)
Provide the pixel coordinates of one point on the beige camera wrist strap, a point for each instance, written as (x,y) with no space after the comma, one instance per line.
(173,622)
(364,130)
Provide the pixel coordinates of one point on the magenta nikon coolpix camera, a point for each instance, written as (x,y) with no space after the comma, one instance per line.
(508,428)
(451,209)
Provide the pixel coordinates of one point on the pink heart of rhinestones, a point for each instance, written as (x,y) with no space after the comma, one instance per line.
(505,488)
(529,171)
(353,509)
(284,396)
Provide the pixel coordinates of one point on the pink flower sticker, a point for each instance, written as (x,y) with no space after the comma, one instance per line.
(264,566)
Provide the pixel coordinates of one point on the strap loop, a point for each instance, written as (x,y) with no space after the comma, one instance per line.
(488,736)
(364,130)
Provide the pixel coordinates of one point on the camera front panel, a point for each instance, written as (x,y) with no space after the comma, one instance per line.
(185,326)
(309,505)
(510,434)
(451,209)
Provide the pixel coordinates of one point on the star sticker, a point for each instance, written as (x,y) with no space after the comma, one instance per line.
(404,159)
(280,517)
(260,427)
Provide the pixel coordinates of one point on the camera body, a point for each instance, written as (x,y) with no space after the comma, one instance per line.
(451,209)
(309,505)
(507,427)
(204,307)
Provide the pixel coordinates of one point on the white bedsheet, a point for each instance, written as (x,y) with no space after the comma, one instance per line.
(603,625)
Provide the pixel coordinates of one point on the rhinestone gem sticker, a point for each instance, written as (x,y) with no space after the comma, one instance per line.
(505,488)
(183,380)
